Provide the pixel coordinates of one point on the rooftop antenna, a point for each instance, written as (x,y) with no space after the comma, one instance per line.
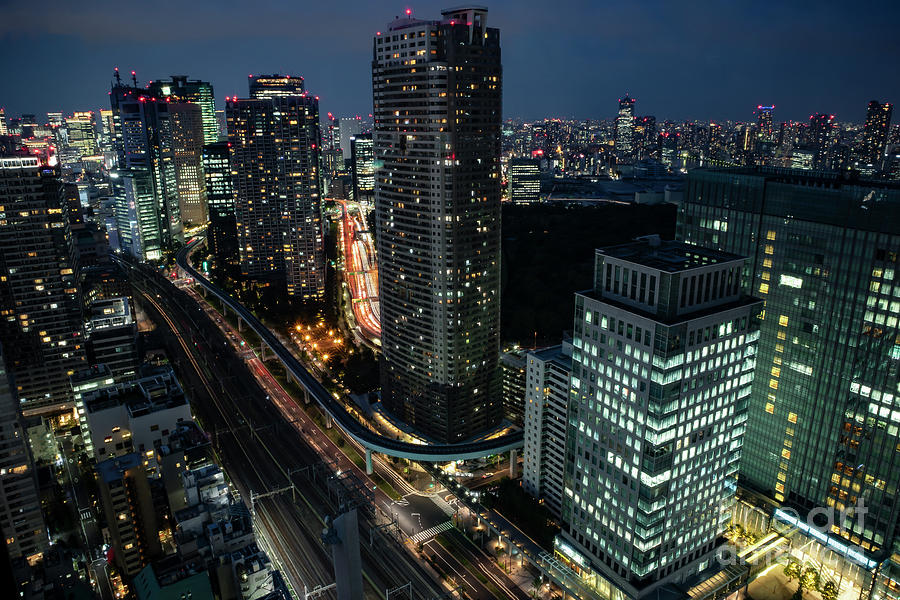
(134,78)
(118,79)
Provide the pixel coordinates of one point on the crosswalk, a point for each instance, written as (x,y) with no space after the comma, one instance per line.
(444,506)
(431,532)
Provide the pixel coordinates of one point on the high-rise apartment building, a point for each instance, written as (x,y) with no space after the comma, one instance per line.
(878,122)
(21,522)
(39,311)
(274,155)
(822,428)
(81,134)
(524,176)
(149,213)
(820,138)
(663,361)
(112,338)
(437,107)
(187,149)
(547,373)
(129,512)
(362,164)
(4,130)
(625,129)
(181,89)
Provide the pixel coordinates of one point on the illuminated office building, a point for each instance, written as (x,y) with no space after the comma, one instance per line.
(437,201)
(187,149)
(625,129)
(348,128)
(663,360)
(151,210)
(274,142)
(524,175)
(181,89)
(823,419)
(362,163)
(878,122)
(81,134)
(222,231)
(39,314)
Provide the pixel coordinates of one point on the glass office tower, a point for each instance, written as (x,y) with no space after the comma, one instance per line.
(825,408)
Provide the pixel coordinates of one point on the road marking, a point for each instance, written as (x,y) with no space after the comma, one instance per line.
(431,532)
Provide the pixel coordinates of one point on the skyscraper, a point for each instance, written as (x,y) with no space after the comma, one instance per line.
(664,353)
(81,134)
(437,107)
(40,322)
(181,89)
(4,130)
(187,150)
(362,162)
(878,121)
(820,139)
(275,141)
(822,427)
(625,129)
(764,122)
(149,216)
(21,521)
(524,175)
(220,199)
(349,127)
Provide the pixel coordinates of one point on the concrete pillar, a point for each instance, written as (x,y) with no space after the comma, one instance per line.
(262,351)
(329,422)
(513,463)
(369,469)
(203,291)
(240,323)
(305,395)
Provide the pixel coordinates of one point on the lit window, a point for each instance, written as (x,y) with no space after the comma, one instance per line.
(770,408)
(770,249)
(792,417)
(764,288)
(767,263)
(776,372)
(785,454)
(770,235)
(783,320)
(773,383)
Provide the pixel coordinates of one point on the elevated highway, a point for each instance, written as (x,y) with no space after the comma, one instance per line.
(370,440)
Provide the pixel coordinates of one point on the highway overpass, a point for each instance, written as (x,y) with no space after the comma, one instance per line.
(371,440)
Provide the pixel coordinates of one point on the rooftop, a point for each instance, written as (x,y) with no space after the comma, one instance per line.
(668,256)
(157,391)
(114,469)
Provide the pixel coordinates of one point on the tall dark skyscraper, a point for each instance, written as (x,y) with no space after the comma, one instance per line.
(181,89)
(220,197)
(187,149)
(437,108)
(362,164)
(822,427)
(625,129)
(878,122)
(820,139)
(40,324)
(764,122)
(275,142)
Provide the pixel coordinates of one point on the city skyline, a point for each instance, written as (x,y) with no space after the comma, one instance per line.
(612,55)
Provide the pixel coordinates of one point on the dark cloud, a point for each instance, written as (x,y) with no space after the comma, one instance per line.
(681,60)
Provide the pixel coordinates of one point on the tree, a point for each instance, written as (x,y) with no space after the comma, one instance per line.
(829,591)
(809,579)
(792,570)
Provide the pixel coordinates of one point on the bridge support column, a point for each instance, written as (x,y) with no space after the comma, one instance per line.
(203,291)
(329,422)
(369,469)
(513,463)
(262,352)
(240,322)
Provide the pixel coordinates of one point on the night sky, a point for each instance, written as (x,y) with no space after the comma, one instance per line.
(568,58)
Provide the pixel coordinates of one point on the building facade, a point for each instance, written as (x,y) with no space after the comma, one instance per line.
(39,308)
(822,428)
(437,203)
(274,155)
(625,129)
(875,132)
(362,163)
(663,360)
(524,180)
(187,149)
(222,229)
(181,89)
(546,404)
